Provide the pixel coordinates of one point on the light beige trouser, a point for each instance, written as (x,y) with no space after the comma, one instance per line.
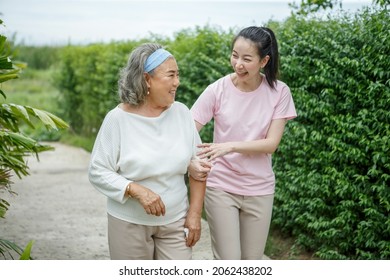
(128,241)
(238,224)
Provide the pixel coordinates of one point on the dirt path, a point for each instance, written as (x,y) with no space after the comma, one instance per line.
(58,208)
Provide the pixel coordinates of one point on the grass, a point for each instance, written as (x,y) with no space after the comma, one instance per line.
(34,88)
(281,247)
(70,138)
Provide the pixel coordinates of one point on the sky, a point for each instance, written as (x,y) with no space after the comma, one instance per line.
(58,22)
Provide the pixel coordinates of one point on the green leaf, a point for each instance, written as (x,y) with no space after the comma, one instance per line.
(6,77)
(21,112)
(26,255)
(7,247)
(3,94)
(5,62)
(3,207)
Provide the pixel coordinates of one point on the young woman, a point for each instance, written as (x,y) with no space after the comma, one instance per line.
(250,108)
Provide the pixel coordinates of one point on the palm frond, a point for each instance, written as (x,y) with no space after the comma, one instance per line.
(3,207)
(6,247)
(11,115)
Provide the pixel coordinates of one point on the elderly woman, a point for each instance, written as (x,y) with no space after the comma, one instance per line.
(139,161)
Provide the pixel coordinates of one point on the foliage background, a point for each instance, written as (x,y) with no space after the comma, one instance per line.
(332,166)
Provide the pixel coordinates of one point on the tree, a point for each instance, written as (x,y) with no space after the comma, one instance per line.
(311,6)
(14,145)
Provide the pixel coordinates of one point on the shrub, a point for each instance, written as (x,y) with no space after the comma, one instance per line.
(333,164)
(87,79)
(87,76)
(203,57)
(37,57)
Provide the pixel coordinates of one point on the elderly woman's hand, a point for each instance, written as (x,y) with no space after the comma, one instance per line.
(149,200)
(193,224)
(199,169)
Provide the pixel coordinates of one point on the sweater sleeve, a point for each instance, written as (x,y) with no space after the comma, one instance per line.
(103,169)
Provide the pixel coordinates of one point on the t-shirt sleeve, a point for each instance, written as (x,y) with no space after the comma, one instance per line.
(285,108)
(196,140)
(193,134)
(204,107)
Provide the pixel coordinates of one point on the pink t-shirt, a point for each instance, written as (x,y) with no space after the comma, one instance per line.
(242,116)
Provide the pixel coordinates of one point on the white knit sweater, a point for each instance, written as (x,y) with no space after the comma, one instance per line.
(154,152)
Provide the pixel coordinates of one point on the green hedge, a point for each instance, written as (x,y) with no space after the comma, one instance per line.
(37,57)
(332,166)
(87,79)
(87,76)
(203,57)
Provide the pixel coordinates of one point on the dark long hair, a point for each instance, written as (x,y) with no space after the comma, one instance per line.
(265,41)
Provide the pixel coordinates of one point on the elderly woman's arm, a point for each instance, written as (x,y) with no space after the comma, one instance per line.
(194,215)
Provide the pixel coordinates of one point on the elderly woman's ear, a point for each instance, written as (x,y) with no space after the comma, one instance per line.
(147,79)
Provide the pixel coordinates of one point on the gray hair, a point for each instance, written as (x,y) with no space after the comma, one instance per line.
(132,85)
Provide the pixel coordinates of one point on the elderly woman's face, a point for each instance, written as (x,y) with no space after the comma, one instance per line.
(164,83)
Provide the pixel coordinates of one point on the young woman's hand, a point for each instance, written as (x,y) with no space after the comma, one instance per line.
(199,169)
(214,150)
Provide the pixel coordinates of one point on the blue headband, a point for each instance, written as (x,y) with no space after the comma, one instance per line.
(155,59)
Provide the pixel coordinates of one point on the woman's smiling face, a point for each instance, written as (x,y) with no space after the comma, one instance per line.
(245,59)
(164,83)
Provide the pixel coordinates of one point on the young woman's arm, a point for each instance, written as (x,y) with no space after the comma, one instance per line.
(267,145)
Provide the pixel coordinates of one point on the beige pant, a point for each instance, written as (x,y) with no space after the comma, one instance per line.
(129,241)
(238,224)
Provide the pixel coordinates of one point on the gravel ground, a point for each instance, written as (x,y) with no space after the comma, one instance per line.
(59,209)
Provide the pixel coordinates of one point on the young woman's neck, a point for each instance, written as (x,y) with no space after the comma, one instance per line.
(247,85)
